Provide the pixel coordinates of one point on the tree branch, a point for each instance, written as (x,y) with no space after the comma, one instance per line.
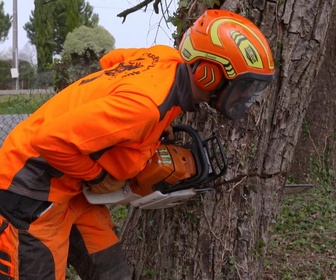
(156,6)
(144,3)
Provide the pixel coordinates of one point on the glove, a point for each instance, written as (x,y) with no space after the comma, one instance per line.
(105,183)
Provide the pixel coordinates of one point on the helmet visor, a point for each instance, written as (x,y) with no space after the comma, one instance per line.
(240,94)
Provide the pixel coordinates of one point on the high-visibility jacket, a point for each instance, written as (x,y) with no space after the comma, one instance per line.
(111,119)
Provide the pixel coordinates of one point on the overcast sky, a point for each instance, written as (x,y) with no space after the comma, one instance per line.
(139,30)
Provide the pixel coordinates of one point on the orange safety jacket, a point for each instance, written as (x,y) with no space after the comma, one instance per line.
(111,119)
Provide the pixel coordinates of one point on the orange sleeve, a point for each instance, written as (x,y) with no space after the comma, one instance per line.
(65,142)
(116,56)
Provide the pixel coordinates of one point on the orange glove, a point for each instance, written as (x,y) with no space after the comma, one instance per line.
(105,183)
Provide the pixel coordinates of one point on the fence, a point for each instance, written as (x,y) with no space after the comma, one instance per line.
(15,106)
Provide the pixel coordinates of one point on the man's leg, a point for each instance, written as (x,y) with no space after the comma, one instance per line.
(6,252)
(39,238)
(94,250)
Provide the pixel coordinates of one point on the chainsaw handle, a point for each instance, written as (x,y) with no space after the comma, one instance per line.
(209,166)
(197,148)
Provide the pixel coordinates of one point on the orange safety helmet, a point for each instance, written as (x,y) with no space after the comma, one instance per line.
(230,57)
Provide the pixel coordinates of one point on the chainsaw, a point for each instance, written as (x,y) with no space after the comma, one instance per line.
(174,174)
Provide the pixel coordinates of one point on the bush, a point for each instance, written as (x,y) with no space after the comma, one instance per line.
(82,50)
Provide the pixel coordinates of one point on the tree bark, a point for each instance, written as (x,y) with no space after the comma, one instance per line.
(315,149)
(223,234)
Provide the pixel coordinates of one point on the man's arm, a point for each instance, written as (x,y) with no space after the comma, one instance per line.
(67,141)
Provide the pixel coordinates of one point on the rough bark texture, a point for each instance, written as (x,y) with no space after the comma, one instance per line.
(223,234)
(315,151)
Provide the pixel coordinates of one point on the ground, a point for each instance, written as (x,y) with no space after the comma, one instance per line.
(304,238)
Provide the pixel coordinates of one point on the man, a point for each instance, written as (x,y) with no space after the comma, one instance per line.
(101,131)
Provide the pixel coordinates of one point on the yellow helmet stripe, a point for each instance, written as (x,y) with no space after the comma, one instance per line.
(215,37)
(247,49)
(189,54)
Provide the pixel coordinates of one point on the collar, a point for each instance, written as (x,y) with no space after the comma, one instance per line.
(180,93)
(182,89)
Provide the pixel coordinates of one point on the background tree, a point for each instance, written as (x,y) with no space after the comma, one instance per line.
(82,50)
(71,15)
(27,74)
(40,32)
(224,234)
(51,21)
(28,53)
(5,23)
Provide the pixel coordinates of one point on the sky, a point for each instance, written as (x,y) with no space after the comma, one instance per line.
(140,29)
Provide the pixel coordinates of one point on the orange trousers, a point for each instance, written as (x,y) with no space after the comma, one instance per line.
(76,232)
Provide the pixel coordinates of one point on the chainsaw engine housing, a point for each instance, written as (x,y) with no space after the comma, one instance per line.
(169,164)
(179,167)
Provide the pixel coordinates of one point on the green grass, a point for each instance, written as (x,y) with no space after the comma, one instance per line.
(118,214)
(304,237)
(22,103)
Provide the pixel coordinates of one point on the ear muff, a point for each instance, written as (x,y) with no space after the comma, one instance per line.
(207,75)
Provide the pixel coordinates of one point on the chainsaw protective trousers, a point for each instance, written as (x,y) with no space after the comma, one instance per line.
(75,232)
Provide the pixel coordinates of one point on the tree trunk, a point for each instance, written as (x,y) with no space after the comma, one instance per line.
(223,234)
(315,151)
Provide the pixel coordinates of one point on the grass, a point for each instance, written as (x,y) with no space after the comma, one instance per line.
(118,214)
(304,237)
(22,103)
